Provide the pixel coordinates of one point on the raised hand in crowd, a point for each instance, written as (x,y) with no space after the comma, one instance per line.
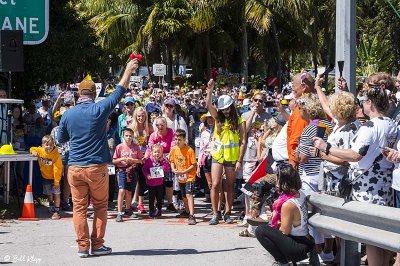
(341,84)
(131,67)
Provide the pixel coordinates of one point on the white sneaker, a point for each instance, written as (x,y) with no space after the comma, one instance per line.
(326,256)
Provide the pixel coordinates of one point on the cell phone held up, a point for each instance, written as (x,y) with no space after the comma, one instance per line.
(320,134)
(269,104)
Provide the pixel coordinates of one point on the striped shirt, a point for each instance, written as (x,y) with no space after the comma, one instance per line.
(312,167)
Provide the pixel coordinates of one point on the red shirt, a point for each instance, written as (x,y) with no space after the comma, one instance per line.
(124,151)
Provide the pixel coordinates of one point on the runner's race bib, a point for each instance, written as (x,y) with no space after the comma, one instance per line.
(156,172)
(217,146)
(111,169)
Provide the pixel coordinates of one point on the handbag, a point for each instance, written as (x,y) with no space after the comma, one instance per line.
(346,183)
(345,186)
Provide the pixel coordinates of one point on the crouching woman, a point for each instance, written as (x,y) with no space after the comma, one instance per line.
(287,238)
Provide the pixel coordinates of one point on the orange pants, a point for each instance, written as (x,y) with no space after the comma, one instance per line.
(91,180)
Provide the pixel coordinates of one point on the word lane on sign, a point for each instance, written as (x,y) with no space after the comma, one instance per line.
(30,16)
(159,70)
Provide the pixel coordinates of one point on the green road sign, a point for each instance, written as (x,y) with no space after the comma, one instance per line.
(31,16)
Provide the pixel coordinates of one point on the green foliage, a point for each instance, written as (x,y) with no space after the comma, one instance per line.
(68,53)
(373,54)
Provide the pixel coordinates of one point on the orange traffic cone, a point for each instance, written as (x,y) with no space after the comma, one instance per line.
(28,210)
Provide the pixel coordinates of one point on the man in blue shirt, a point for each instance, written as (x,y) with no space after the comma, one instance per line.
(85,127)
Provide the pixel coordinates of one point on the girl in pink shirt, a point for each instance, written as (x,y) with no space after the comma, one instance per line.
(154,169)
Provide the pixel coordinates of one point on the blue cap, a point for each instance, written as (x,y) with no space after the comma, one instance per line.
(129,99)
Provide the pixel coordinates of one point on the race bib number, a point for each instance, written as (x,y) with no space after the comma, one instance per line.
(111,169)
(217,146)
(156,172)
(197,142)
(182,177)
(141,140)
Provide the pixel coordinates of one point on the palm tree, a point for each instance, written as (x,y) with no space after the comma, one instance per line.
(166,26)
(262,15)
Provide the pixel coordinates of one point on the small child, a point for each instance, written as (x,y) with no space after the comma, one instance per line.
(50,165)
(183,165)
(154,169)
(126,156)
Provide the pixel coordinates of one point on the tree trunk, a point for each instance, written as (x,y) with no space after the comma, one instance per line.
(245,51)
(278,51)
(314,46)
(170,65)
(208,54)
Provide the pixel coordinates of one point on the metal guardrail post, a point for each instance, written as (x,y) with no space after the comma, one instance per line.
(349,253)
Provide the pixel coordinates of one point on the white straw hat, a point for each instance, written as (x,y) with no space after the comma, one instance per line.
(224,101)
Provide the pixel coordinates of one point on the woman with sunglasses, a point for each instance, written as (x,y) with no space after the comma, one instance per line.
(287,238)
(173,119)
(370,171)
(227,150)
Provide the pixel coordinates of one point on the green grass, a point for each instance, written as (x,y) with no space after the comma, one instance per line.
(10,211)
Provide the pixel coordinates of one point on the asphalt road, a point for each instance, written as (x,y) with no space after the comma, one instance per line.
(165,241)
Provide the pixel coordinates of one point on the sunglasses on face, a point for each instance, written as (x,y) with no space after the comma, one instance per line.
(258,100)
(169,106)
(129,104)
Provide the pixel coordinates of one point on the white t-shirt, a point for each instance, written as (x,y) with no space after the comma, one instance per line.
(396,171)
(341,138)
(251,149)
(373,135)
(279,146)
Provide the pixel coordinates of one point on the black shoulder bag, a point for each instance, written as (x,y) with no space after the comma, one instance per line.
(346,184)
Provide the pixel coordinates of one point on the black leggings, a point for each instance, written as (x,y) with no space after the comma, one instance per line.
(155,193)
(111,187)
(141,179)
(282,247)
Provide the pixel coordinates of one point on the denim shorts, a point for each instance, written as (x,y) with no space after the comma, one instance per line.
(49,188)
(124,184)
(186,188)
(225,163)
(207,165)
(397,198)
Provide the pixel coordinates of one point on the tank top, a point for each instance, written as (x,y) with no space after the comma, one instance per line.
(301,204)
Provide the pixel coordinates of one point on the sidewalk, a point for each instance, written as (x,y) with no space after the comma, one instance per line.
(165,241)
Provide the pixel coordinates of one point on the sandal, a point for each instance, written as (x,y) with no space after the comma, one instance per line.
(246,233)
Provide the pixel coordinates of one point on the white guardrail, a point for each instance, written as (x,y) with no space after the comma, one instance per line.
(355,222)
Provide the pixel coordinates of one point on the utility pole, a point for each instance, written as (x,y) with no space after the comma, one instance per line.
(346,41)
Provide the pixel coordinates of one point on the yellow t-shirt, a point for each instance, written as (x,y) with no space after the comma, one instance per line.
(182,160)
(50,164)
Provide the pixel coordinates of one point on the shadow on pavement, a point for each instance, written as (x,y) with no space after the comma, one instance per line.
(164,252)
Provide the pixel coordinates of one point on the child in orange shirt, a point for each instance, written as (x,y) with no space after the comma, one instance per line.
(183,164)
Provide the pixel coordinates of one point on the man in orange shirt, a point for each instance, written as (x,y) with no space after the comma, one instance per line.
(302,83)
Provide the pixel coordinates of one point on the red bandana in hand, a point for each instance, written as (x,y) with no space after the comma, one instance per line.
(135,57)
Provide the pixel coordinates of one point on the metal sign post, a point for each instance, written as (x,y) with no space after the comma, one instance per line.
(346,41)
(159,70)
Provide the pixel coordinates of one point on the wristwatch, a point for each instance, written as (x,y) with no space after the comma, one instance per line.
(328,147)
